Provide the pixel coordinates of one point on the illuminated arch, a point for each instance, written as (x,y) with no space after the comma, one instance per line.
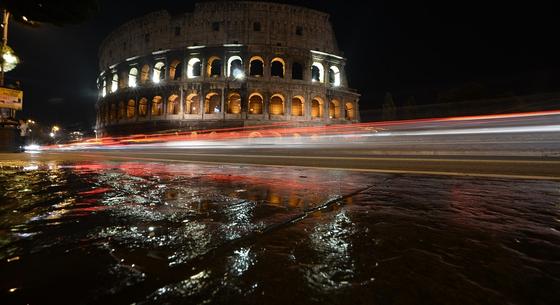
(143,107)
(334,76)
(145,74)
(277,67)
(276,106)
(256,103)
(157,106)
(317,107)
(131,109)
(349,111)
(334,109)
(176,70)
(192,103)
(173,104)
(234,103)
(212,103)
(133,77)
(104,88)
(235,67)
(297,105)
(256,66)
(194,68)
(115,83)
(317,72)
(214,68)
(159,72)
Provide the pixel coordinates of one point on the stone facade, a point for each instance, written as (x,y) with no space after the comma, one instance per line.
(226,64)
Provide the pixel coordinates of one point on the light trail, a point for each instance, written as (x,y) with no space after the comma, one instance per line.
(285,133)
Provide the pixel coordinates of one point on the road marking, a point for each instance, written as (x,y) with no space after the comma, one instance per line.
(379,171)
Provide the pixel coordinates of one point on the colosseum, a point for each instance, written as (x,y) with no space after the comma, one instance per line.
(225,64)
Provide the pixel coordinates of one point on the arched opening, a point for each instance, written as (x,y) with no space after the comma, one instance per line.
(317,72)
(159,72)
(115,83)
(173,104)
(143,107)
(297,106)
(133,77)
(131,109)
(256,66)
(235,67)
(277,105)
(255,104)
(349,112)
(145,74)
(334,76)
(277,67)
(212,103)
(157,106)
(214,67)
(175,70)
(234,103)
(122,110)
(192,104)
(334,109)
(104,89)
(317,107)
(297,71)
(113,113)
(194,68)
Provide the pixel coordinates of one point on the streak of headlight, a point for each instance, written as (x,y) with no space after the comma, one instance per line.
(284,133)
(520,129)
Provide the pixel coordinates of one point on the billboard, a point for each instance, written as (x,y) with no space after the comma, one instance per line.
(11,98)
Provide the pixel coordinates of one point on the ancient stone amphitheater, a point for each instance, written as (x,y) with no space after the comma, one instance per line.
(226,64)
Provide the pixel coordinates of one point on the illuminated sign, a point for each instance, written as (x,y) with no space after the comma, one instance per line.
(11,98)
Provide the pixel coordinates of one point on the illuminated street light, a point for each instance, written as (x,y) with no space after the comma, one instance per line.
(9,58)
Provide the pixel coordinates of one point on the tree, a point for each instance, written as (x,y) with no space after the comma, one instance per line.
(389,109)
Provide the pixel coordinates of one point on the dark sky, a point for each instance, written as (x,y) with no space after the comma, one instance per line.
(407,48)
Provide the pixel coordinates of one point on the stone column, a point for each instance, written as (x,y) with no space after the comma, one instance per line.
(181,102)
(288,106)
(201,99)
(223,110)
(266,98)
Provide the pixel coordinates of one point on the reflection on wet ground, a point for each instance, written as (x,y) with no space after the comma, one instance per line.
(155,233)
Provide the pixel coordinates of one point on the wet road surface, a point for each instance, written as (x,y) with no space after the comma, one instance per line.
(119,232)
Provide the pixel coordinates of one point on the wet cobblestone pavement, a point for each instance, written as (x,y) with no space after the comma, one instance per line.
(160,233)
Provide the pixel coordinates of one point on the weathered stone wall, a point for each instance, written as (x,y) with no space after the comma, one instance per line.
(225,31)
(236,21)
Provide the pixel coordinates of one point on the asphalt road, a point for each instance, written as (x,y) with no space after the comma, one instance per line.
(330,158)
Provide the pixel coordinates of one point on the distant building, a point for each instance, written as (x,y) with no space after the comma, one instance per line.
(227,64)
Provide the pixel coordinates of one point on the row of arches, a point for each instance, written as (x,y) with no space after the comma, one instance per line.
(277,105)
(214,68)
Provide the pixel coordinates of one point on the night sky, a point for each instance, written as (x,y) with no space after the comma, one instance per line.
(406,48)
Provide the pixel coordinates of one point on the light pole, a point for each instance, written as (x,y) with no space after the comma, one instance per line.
(8,59)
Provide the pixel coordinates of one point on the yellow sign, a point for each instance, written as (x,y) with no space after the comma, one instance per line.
(11,98)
